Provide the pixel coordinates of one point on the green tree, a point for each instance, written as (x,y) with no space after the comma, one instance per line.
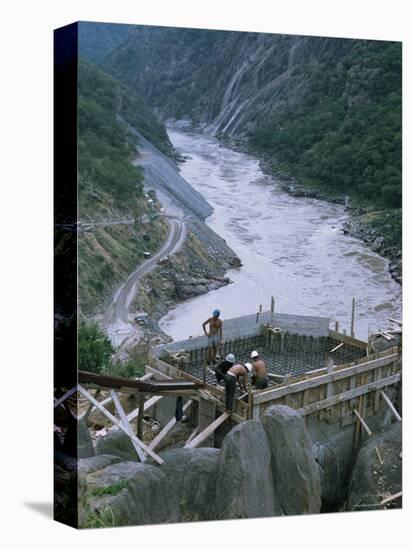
(95,350)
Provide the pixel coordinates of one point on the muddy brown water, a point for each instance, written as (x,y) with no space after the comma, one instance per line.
(291,248)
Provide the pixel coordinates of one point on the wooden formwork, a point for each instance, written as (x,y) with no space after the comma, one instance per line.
(333,393)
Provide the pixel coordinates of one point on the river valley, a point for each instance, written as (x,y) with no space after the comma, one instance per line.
(291,248)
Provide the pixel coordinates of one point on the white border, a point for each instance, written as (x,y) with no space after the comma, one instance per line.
(26,274)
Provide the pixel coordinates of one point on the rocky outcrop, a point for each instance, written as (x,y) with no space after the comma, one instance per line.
(371,481)
(295,472)
(192,477)
(244,486)
(84,441)
(128,493)
(116,443)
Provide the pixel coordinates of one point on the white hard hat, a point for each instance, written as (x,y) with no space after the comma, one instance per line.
(254,354)
(230,358)
(249,367)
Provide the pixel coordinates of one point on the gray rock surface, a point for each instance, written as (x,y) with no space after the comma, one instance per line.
(192,476)
(371,481)
(129,493)
(84,441)
(116,443)
(295,471)
(244,486)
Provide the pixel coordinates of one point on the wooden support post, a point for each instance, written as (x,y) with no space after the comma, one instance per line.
(272,307)
(120,425)
(391,406)
(352,325)
(192,435)
(89,409)
(63,398)
(140,415)
(362,421)
(392,497)
(149,403)
(126,424)
(208,431)
(336,326)
(167,428)
(378,455)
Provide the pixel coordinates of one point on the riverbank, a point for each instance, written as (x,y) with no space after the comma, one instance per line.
(381,229)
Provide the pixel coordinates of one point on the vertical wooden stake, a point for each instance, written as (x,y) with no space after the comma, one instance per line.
(140,416)
(352,325)
(336,326)
(272,307)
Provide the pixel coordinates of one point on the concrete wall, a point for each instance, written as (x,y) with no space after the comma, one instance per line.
(247,326)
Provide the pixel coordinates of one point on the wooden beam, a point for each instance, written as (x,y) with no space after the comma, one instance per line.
(391,406)
(207,431)
(392,497)
(395,321)
(126,423)
(167,428)
(119,424)
(337,347)
(338,374)
(140,415)
(378,455)
(65,396)
(351,394)
(348,339)
(362,421)
(192,435)
(148,404)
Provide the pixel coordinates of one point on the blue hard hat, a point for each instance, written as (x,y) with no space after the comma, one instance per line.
(216,313)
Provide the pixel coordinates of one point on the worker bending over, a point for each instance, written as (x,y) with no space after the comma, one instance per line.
(238,373)
(214,336)
(223,367)
(260,373)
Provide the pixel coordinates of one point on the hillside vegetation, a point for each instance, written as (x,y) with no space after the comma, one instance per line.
(111,188)
(325,111)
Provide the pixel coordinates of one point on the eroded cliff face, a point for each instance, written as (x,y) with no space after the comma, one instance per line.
(226,82)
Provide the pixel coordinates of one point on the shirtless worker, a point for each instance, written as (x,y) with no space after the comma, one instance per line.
(260,373)
(214,336)
(238,373)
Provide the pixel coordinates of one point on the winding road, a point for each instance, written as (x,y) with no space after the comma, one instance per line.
(121,329)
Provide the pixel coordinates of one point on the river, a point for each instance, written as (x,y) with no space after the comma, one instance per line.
(291,248)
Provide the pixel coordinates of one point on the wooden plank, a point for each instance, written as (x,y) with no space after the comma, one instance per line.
(362,421)
(126,423)
(338,374)
(167,428)
(348,339)
(192,435)
(392,497)
(148,404)
(391,406)
(378,455)
(65,396)
(377,376)
(208,431)
(141,401)
(351,394)
(119,424)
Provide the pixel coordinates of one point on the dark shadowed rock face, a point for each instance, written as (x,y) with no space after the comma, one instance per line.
(129,493)
(116,443)
(371,481)
(244,486)
(192,476)
(295,472)
(84,441)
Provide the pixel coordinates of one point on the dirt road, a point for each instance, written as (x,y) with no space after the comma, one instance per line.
(121,329)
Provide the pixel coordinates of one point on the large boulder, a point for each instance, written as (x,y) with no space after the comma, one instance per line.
(192,476)
(116,443)
(85,447)
(128,493)
(244,485)
(371,481)
(295,471)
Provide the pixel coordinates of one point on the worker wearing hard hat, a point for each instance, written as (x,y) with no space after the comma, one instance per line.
(214,336)
(260,373)
(223,367)
(238,373)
